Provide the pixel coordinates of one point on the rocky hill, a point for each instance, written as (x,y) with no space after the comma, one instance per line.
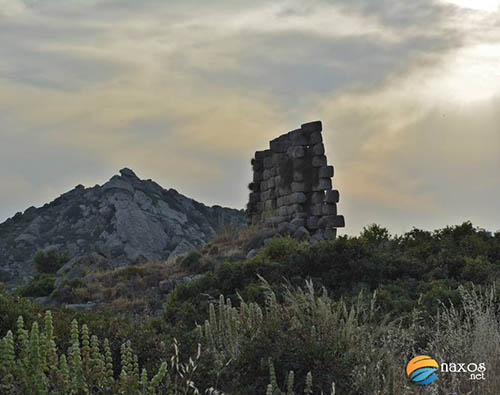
(127,220)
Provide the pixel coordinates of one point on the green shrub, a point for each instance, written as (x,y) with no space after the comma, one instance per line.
(10,309)
(402,268)
(375,235)
(50,261)
(41,285)
(478,269)
(191,261)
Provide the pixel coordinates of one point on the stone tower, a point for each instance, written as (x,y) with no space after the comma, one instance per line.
(291,191)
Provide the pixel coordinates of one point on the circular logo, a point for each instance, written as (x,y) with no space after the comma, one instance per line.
(422,370)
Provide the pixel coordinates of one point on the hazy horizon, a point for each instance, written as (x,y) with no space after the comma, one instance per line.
(185,92)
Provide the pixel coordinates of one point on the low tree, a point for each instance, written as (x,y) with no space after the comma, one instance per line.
(50,261)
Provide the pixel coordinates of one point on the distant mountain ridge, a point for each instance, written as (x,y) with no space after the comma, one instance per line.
(126,220)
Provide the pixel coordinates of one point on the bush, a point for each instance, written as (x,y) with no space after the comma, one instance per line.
(374,235)
(403,268)
(41,285)
(191,261)
(50,261)
(10,309)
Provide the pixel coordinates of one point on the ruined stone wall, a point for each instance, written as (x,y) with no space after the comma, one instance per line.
(292,190)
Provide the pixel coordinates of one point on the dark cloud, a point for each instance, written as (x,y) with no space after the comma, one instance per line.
(402,14)
(293,66)
(184,92)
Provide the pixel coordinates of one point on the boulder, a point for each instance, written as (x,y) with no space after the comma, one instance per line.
(332,221)
(257,240)
(301,234)
(325,172)
(332,196)
(297,223)
(314,126)
(166,286)
(318,149)
(317,197)
(315,138)
(329,209)
(297,197)
(296,152)
(322,184)
(319,161)
(312,223)
(298,187)
(298,137)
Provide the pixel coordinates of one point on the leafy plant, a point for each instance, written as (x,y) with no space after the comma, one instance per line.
(50,261)
(41,285)
(30,363)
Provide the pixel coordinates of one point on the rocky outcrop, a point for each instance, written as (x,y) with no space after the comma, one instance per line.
(126,220)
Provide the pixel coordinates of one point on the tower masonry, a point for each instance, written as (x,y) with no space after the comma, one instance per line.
(291,192)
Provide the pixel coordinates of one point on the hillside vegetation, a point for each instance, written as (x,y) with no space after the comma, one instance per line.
(342,316)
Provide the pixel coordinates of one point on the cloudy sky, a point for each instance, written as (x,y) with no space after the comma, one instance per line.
(185,91)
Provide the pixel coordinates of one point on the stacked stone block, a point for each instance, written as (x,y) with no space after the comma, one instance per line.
(291,190)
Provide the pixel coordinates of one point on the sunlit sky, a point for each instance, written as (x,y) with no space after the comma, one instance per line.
(184,92)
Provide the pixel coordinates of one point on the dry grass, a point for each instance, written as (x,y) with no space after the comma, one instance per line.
(132,288)
(376,348)
(136,288)
(470,334)
(230,241)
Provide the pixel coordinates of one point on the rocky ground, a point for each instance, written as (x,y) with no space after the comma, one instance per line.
(91,283)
